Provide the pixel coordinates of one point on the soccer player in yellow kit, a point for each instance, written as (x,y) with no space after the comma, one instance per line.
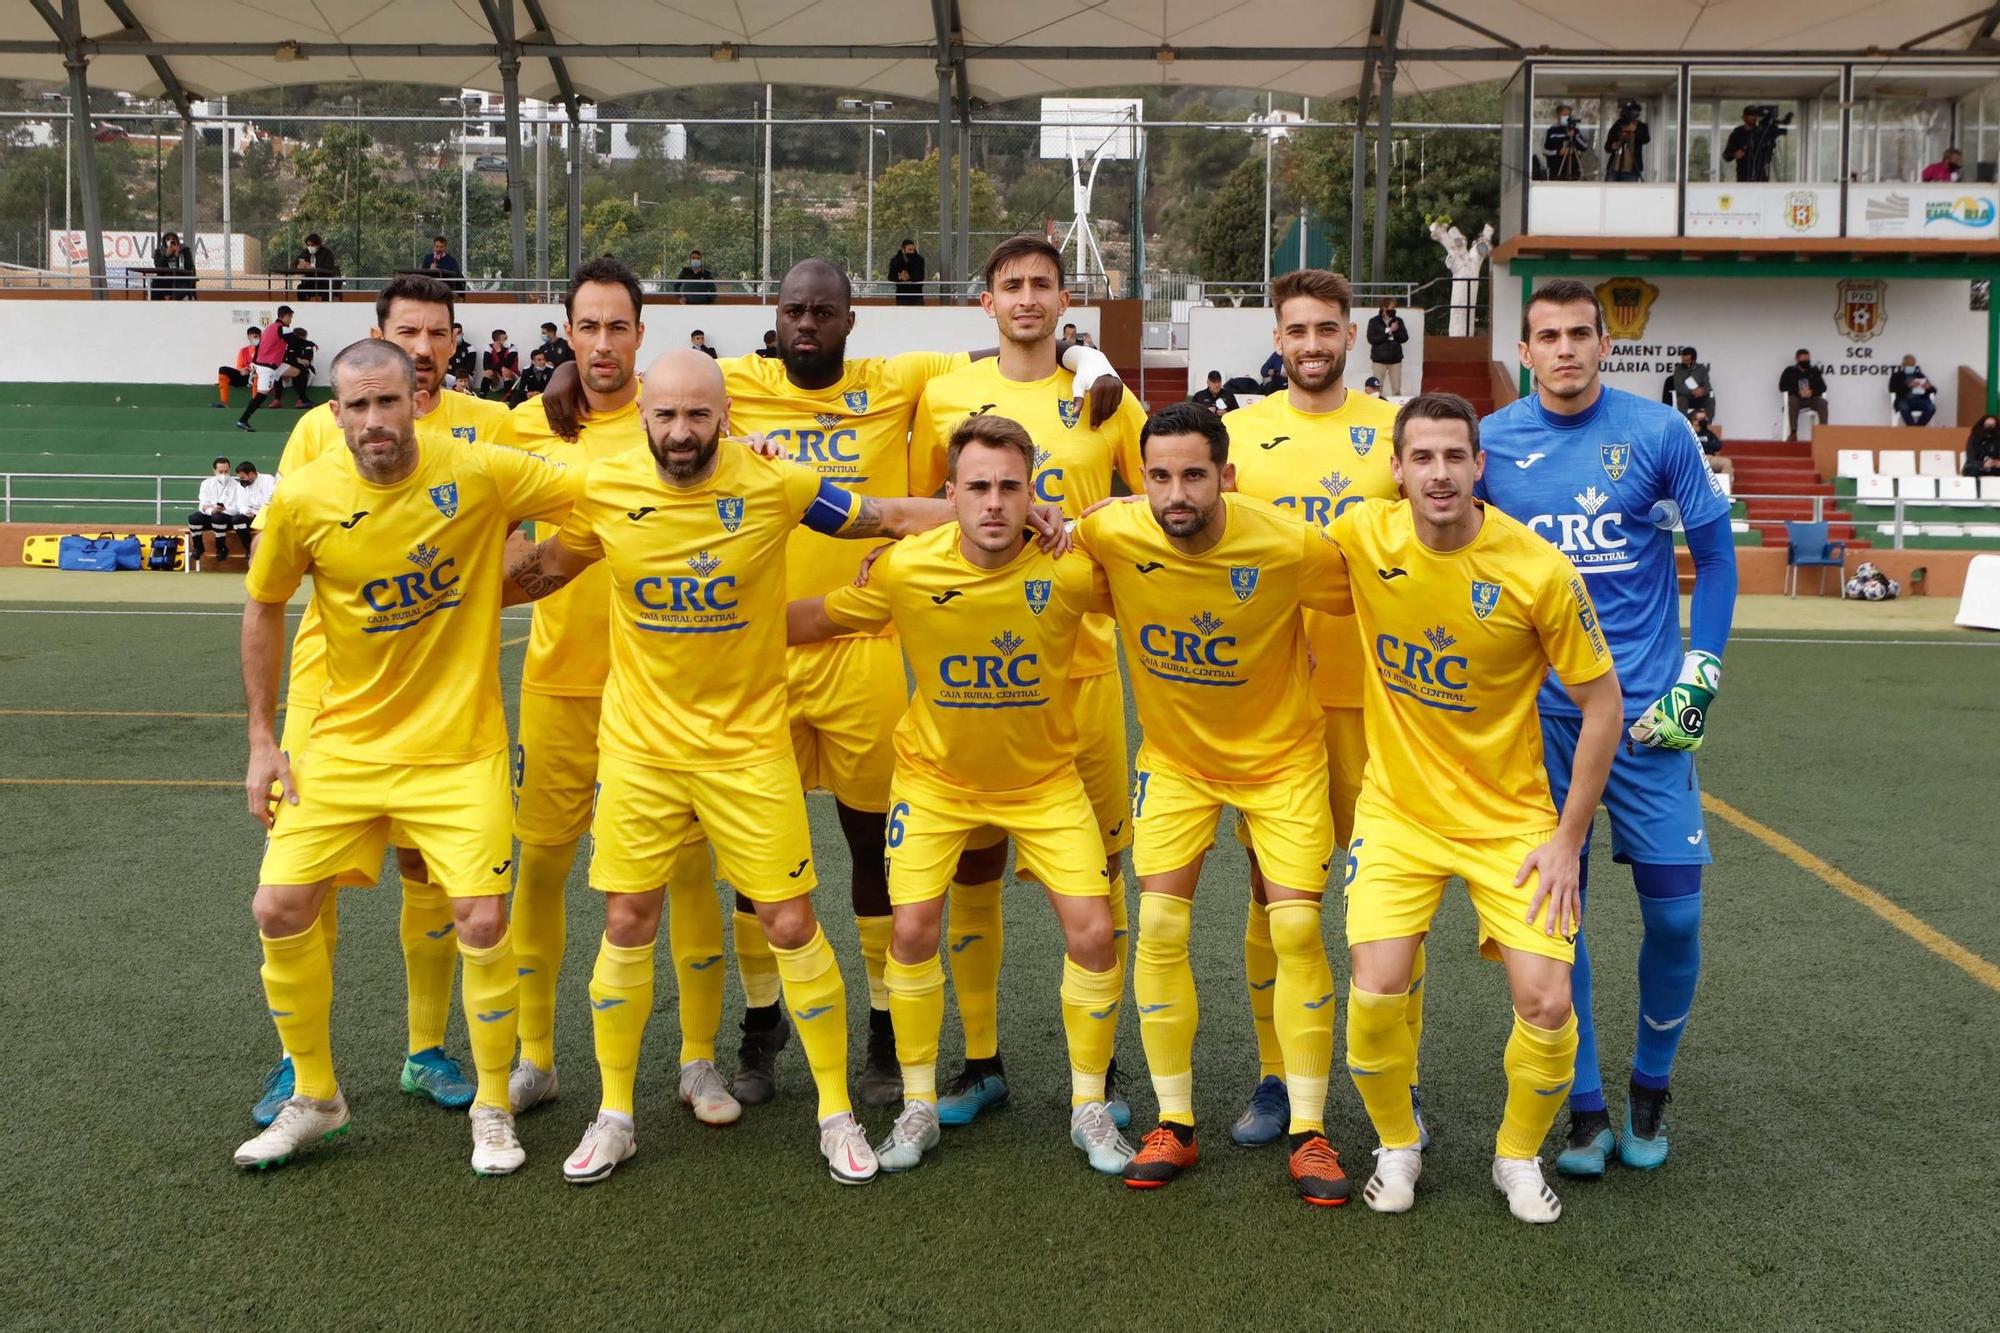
(1206,586)
(1074,461)
(693,721)
(413,312)
(555,757)
(989,627)
(404,541)
(1465,612)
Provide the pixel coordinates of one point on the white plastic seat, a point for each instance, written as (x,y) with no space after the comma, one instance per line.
(1875,488)
(1896,462)
(1943,529)
(1937,463)
(1916,488)
(1958,489)
(1989,488)
(1738,525)
(1854,462)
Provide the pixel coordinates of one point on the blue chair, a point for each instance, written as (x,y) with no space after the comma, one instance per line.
(1806,546)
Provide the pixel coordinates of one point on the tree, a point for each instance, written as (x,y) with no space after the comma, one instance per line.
(344,197)
(906,204)
(1232,221)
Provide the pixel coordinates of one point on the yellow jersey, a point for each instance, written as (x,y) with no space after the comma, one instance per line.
(855,434)
(991,651)
(1074,461)
(1214,640)
(453,417)
(1459,644)
(569,644)
(1318,464)
(407,581)
(697,605)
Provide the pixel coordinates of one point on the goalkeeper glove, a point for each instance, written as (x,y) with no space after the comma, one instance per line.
(1677,719)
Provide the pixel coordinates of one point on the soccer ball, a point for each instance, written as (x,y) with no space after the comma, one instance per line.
(1866,570)
(1874,590)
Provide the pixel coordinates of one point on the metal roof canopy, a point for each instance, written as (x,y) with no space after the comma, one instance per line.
(572,50)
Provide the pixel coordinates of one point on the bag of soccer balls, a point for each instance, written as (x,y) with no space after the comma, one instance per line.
(1870,584)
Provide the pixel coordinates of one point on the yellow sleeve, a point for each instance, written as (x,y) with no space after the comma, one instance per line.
(578,532)
(280,559)
(533,487)
(865,608)
(1566,623)
(927,448)
(1323,580)
(916,369)
(1085,580)
(297,453)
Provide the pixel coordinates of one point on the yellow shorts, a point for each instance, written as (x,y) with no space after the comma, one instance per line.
(755,817)
(847,695)
(555,767)
(1174,816)
(1104,763)
(1346,757)
(1396,873)
(1053,828)
(349,811)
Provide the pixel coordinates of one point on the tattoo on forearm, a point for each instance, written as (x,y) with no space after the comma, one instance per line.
(867,519)
(534,580)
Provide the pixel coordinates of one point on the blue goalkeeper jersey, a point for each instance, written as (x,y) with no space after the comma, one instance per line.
(1610,487)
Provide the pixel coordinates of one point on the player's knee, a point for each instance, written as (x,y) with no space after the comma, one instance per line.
(915,937)
(981,865)
(1545,1005)
(1296,933)
(480,921)
(282,911)
(1088,942)
(1163,924)
(410,865)
(788,924)
(632,919)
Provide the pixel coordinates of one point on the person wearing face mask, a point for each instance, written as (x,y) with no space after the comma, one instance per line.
(1804,388)
(694,283)
(1564,145)
(318,267)
(1913,393)
(1982,448)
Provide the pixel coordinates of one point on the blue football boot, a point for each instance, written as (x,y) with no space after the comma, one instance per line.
(1115,1104)
(1588,1147)
(1268,1115)
(1643,1145)
(980,1087)
(277,1091)
(1417,1113)
(435,1075)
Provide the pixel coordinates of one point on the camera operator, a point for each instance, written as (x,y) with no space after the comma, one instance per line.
(1751,144)
(1564,145)
(1625,145)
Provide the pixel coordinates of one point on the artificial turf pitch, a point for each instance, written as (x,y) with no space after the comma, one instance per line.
(1834,1156)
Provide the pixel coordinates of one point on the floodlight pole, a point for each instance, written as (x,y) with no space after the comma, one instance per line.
(542,197)
(190,144)
(575,215)
(228,220)
(1267,191)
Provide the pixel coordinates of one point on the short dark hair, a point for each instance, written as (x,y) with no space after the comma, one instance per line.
(1215,374)
(1562,291)
(223,459)
(312,238)
(1318,283)
(1022,247)
(254,331)
(439,240)
(905,241)
(605,268)
(696,333)
(1437,407)
(284,310)
(499,335)
(548,327)
(175,236)
(694,252)
(411,287)
(1803,351)
(770,335)
(542,352)
(1688,351)
(998,431)
(1188,419)
(246,466)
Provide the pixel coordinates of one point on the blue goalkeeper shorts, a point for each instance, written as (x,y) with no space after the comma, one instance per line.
(1652,796)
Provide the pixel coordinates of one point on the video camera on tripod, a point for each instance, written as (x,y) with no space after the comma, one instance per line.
(1766,128)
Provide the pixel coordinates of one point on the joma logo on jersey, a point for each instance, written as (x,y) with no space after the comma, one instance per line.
(1319,510)
(1362,438)
(820,446)
(434,577)
(1037,591)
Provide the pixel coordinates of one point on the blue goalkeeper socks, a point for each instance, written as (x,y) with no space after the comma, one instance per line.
(1586,1090)
(1669,964)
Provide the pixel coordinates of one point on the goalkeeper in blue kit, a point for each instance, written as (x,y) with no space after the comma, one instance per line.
(1609,478)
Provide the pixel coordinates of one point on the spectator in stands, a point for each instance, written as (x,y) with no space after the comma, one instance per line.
(464,363)
(299,353)
(534,379)
(699,342)
(770,347)
(693,283)
(441,264)
(1751,144)
(1691,387)
(555,347)
(1215,398)
(1914,394)
(1804,388)
(1271,375)
(1564,144)
(1386,335)
(906,270)
(499,367)
(213,512)
(173,263)
(1373,387)
(253,490)
(1982,448)
(268,369)
(1067,340)
(238,375)
(317,267)
(1710,439)
(1625,145)
(1946,168)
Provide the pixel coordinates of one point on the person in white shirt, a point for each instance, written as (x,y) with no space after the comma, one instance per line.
(253,491)
(217,510)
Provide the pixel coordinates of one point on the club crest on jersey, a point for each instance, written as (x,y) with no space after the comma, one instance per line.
(829,419)
(470,434)
(1243,581)
(1485,596)
(1038,593)
(1066,409)
(445,497)
(730,510)
(1615,457)
(1362,438)
(857,400)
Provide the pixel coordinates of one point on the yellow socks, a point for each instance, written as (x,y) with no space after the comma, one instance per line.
(1163,985)
(1540,1063)
(818,1001)
(298,990)
(974,935)
(694,938)
(1380,1059)
(430,958)
(916,1005)
(756,968)
(1260,974)
(540,928)
(1303,1009)
(875,932)
(492,994)
(1090,1020)
(1413,1013)
(621,999)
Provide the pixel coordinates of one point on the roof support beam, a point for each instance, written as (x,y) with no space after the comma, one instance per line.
(500,17)
(68,26)
(570,98)
(1464,22)
(963,265)
(1392,22)
(1357,190)
(161,70)
(944,18)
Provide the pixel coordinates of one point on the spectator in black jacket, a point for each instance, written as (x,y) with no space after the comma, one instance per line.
(464,363)
(441,264)
(693,283)
(1913,393)
(1691,387)
(1386,335)
(1215,397)
(555,346)
(1271,376)
(770,347)
(906,270)
(317,268)
(1564,144)
(1804,388)
(174,262)
(1710,439)
(533,380)
(299,353)
(500,367)
(1982,448)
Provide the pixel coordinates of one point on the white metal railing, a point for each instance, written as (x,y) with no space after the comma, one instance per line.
(160,503)
(1868,526)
